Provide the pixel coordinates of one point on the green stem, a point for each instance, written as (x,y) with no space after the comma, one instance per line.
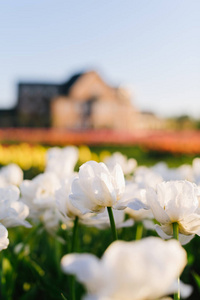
(139,231)
(112,223)
(73,249)
(176,237)
(175,231)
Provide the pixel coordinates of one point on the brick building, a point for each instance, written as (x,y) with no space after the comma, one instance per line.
(85,101)
(91,103)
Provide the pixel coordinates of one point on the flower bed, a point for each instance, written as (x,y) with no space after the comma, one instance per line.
(66,221)
(168,141)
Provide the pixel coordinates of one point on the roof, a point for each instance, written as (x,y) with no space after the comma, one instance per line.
(65,87)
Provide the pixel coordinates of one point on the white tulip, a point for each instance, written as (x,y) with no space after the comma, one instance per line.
(127,165)
(96,187)
(39,193)
(133,195)
(184,172)
(145,177)
(3,237)
(64,205)
(61,161)
(175,202)
(13,212)
(51,220)
(142,270)
(11,174)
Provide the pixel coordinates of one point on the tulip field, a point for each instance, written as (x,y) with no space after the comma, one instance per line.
(98,223)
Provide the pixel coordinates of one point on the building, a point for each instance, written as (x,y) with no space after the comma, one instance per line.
(91,103)
(85,101)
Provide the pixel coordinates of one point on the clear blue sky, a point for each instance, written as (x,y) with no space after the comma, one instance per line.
(150,46)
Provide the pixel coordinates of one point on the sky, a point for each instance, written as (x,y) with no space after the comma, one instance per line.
(150,47)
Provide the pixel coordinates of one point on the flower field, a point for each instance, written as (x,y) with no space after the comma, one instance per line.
(99,222)
(184,142)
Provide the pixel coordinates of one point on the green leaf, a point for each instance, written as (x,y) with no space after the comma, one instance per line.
(64,298)
(197,279)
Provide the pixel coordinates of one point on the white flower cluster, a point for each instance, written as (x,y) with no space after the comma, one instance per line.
(13,211)
(61,195)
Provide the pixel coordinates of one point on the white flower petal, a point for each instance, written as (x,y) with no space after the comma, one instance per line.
(119,181)
(157,210)
(61,161)
(161,233)
(137,205)
(12,174)
(83,200)
(3,237)
(85,266)
(129,270)
(96,187)
(190,224)
(180,198)
(185,239)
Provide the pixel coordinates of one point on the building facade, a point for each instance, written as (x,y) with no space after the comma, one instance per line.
(85,101)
